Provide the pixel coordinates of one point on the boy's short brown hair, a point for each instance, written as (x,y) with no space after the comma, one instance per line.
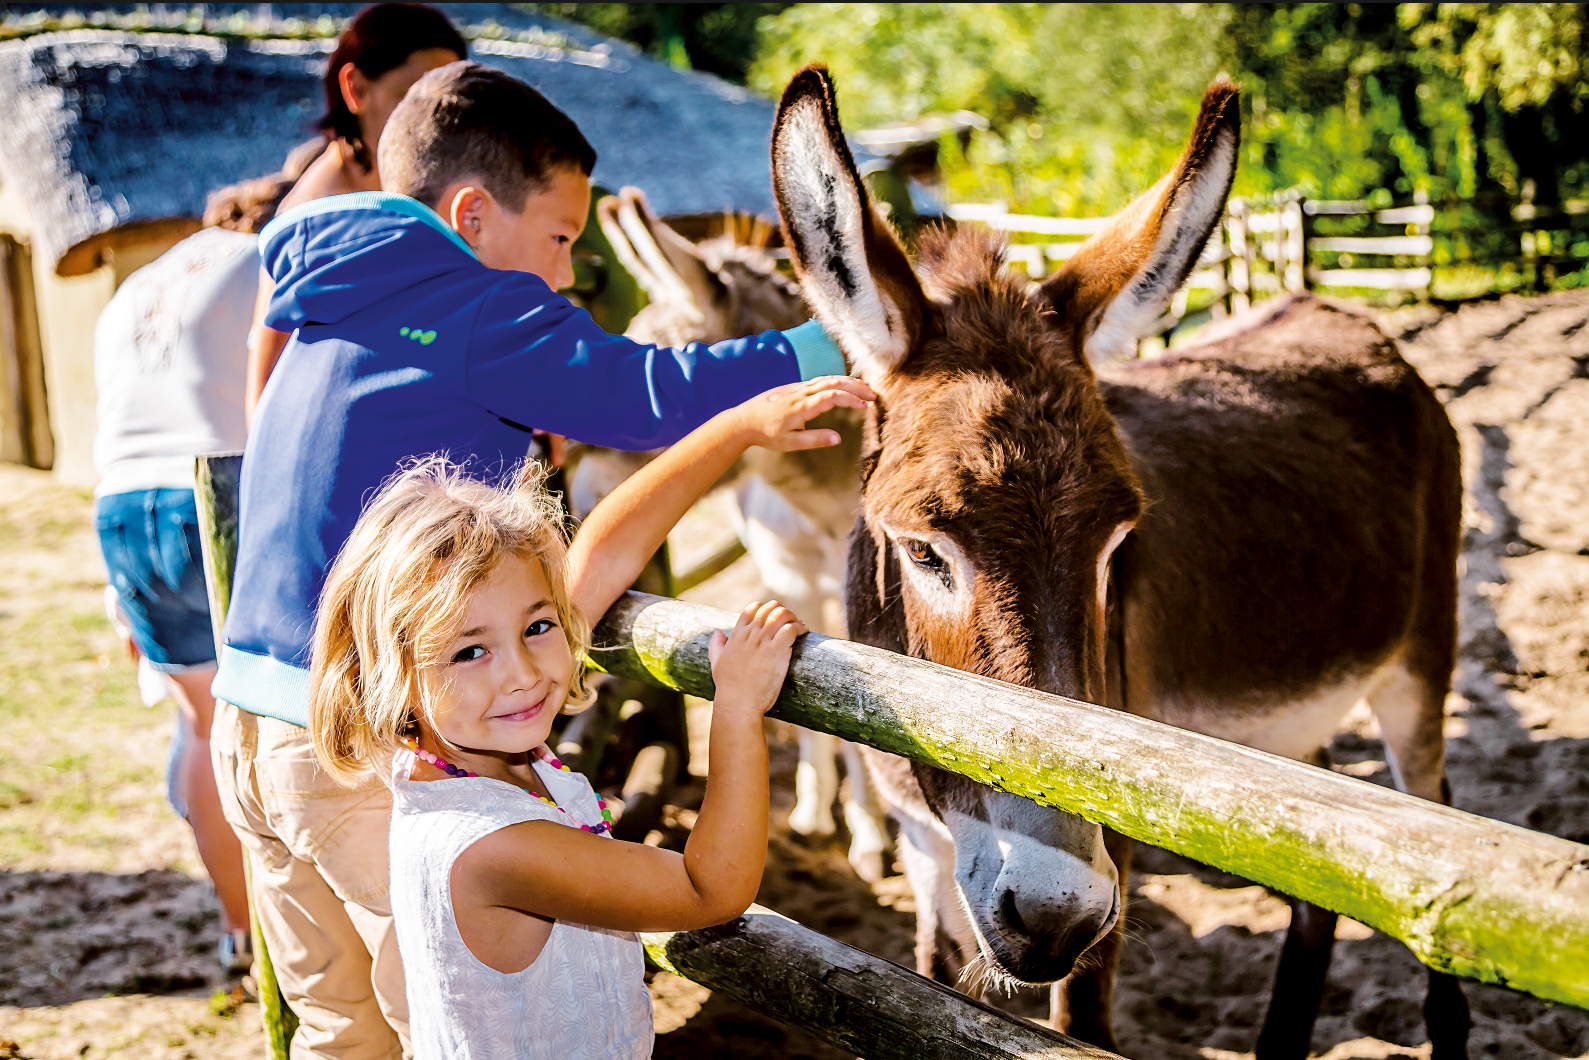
(465,121)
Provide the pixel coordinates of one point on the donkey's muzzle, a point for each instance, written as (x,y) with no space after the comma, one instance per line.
(1043,950)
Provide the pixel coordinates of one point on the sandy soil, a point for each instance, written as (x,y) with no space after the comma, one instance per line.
(99,893)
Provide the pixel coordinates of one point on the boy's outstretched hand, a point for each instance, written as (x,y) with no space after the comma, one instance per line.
(749,663)
(775,420)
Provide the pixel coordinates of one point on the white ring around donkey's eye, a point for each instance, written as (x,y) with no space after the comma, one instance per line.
(932,562)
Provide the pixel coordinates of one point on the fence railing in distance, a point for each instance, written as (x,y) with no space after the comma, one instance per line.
(1262,247)
(1036,258)
(861,1003)
(1471,896)
(1381,275)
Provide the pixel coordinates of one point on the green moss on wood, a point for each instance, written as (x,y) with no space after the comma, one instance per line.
(1522,937)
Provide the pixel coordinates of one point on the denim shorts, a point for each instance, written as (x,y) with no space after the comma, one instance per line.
(150,540)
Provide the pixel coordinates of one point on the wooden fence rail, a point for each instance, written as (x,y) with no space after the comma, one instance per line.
(856,1001)
(1468,895)
(1261,248)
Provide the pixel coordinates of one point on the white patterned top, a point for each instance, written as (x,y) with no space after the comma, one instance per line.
(583,997)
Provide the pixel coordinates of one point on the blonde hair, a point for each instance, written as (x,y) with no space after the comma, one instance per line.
(398,590)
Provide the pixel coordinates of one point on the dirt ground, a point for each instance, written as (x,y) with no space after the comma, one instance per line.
(106,928)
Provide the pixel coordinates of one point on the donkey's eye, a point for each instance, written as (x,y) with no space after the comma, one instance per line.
(926,558)
(922,554)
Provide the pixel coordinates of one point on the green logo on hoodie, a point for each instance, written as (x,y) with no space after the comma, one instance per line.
(424,338)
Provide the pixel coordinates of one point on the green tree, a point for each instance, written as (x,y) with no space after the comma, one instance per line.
(1522,70)
(1088,103)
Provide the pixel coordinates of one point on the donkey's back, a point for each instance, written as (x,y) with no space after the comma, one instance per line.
(1298,553)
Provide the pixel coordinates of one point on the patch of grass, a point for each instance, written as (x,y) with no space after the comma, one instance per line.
(82,760)
(12,795)
(18,839)
(91,623)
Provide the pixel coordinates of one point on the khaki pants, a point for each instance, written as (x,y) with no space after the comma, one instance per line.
(318,856)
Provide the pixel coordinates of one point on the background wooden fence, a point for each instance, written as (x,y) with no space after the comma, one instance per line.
(1287,242)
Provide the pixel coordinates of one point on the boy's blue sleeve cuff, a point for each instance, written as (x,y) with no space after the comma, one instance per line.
(815,351)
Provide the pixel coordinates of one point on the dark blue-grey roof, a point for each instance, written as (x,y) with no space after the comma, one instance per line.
(105,128)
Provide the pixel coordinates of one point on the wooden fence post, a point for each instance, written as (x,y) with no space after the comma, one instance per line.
(216,479)
(861,1003)
(1471,896)
(1295,276)
(1239,264)
(1421,198)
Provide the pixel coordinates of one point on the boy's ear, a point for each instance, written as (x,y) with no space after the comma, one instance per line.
(463,207)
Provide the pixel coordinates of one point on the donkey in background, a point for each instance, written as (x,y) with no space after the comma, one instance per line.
(794,510)
(1244,539)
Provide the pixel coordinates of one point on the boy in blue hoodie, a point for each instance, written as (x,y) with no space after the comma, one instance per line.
(425,320)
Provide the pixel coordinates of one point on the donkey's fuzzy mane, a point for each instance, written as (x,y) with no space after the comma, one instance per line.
(987,318)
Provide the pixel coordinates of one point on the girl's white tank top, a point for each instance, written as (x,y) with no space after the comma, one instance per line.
(583,997)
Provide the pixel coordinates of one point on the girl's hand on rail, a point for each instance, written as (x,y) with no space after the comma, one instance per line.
(775,420)
(750,662)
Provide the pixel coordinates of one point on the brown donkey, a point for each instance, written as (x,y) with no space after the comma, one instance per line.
(1243,539)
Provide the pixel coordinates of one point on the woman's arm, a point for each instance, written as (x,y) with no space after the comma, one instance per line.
(632,521)
(335,172)
(562,873)
(264,350)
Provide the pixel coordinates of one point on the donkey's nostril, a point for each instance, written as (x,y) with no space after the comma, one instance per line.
(1010,915)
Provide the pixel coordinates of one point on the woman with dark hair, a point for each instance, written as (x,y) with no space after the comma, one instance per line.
(379,56)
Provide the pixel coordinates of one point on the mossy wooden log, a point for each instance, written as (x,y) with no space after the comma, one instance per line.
(216,479)
(215,489)
(856,1001)
(1468,895)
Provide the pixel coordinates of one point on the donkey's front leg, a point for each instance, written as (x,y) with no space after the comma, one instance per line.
(1081,1004)
(864,818)
(1299,983)
(816,784)
(945,939)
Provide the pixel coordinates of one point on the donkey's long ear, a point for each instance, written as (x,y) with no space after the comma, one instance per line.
(1122,279)
(853,272)
(632,230)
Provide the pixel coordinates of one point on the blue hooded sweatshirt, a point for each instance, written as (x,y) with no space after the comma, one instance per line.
(406,345)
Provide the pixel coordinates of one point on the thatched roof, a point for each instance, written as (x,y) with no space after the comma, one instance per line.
(109,131)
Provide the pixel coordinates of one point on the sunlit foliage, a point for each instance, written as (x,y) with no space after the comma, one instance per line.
(1088,102)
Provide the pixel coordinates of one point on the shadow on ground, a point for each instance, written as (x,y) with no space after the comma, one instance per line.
(68,936)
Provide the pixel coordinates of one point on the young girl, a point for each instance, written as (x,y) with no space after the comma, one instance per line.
(449,636)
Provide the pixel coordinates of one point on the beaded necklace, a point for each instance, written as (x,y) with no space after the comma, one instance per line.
(604,828)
